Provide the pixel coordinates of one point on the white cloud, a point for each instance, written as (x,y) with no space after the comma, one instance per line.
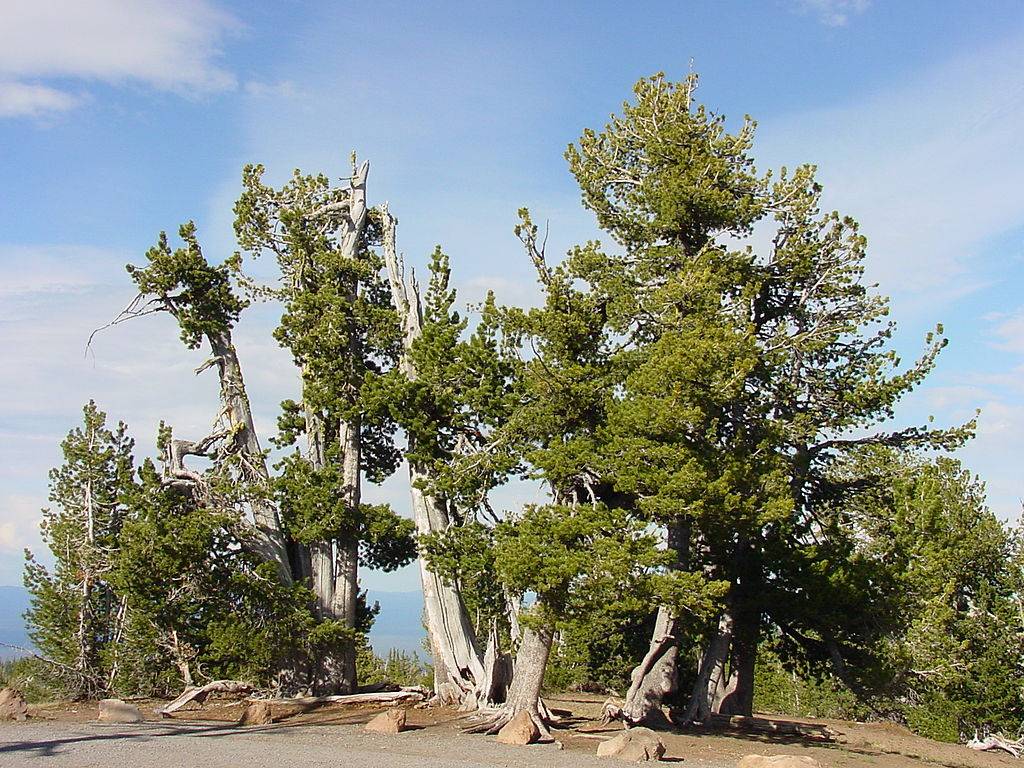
(19,528)
(42,269)
(833,13)
(33,100)
(171,45)
(1008,331)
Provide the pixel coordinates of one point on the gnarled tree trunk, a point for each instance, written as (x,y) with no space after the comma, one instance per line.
(459,671)
(269,537)
(524,693)
(655,678)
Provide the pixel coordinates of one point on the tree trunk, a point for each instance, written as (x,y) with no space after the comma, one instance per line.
(270,541)
(531,661)
(655,677)
(335,564)
(711,673)
(448,625)
(737,698)
(459,671)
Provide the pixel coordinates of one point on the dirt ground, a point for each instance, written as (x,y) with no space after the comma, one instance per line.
(68,735)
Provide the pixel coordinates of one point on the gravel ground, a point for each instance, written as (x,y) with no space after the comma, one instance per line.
(166,745)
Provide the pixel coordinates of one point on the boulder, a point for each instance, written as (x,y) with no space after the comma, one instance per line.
(12,705)
(635,745)
(519,730)
(392,721)
(117,711)
(778,761)
(257,713)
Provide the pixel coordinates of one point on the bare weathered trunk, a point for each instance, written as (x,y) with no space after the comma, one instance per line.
(181,660)
(531,661)
(335,564)
(270,540)
(459,671)
(737,698)
(711,673)
(655,678)
(346,555)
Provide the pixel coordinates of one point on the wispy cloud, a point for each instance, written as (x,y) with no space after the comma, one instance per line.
(283,89)
(930,167)
(171,45)
(33,100)
(833,13)
(1007,330)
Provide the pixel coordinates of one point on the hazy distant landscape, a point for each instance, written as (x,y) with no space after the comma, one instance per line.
(398,625)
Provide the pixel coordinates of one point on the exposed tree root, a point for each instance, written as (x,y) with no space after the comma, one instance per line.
(490,721)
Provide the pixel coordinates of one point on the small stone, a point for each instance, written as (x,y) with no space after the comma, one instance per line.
(257,713)
(778,761)
(635,745)
(12,705)
(392,721)
(117,711)
(519,730)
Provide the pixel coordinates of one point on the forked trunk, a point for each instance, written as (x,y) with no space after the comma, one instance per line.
(710,682)
(738,696)
(270,541)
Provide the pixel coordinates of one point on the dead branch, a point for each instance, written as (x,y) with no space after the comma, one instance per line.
(996,742)
(199,694)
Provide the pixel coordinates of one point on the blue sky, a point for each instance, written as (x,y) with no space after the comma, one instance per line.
(119,118)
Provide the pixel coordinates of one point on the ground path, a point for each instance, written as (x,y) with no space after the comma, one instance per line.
(68,735)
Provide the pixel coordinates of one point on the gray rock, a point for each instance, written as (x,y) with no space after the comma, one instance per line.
(12,705)
(391,722)
(635,745)
(117,711)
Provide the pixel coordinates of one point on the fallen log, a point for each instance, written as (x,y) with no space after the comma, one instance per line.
(404,696)
(199,694)
(768,725)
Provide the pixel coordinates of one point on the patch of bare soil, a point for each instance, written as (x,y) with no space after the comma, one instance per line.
(855,745)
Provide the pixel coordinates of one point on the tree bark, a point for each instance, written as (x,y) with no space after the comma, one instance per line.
(654,679)
(531,661)
(527,679)
(737,698)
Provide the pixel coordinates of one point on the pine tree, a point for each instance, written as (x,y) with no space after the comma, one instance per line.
(342,331)
(76,618)
(746,374)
